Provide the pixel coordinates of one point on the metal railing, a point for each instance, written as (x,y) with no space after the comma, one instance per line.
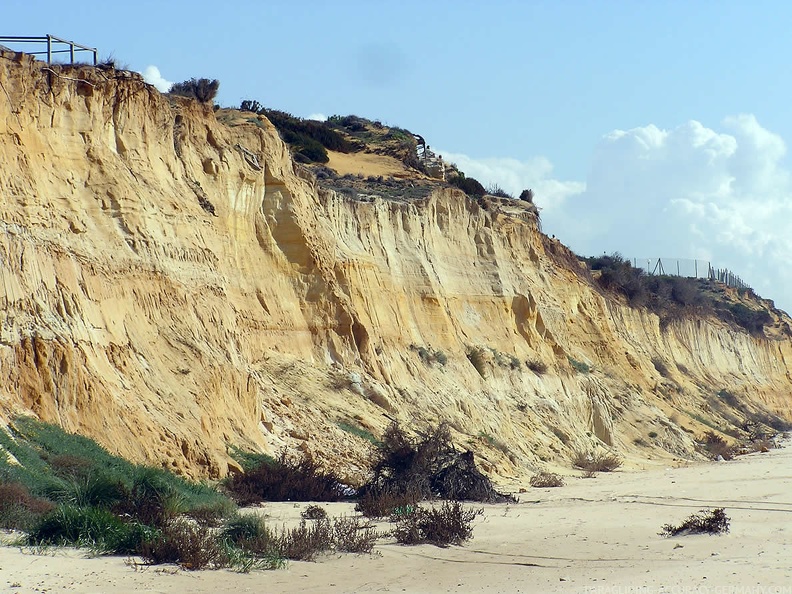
(53,46)
(689,268)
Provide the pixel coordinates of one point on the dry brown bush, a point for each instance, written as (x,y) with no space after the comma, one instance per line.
(425,468)
(714,445)
(537,366)
(705,522)
(285,480)
(547,479)
(449,524)
(313,512)
(191,546)
(19,510)
(595,462)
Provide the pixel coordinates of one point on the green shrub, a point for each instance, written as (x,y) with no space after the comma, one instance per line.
(752,320)
(449,524)
(76,470)
(250,460)
(150,498)
(673,297)
(470,186)
(94,490)
(88,526)
(579,366)
(358,431)
(309,139)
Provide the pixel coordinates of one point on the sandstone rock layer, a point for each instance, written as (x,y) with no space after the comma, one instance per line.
(173,285)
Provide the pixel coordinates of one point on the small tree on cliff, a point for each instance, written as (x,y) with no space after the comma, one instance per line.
(202,89)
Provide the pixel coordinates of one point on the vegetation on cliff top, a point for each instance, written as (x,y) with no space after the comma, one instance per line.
(310,140)
(676,297)
(203,90)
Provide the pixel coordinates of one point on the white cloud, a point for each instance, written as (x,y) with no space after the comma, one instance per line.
(514,176)
(689,192)
(721,194)
(152,76)
(319,117)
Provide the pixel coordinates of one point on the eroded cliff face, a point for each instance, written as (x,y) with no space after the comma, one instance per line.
(173,285)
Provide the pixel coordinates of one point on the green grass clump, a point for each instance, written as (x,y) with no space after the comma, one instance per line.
(250,460)
(75,470)
(579,366)
(358,431)
(90,527)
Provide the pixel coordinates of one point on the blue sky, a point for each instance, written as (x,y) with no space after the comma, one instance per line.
(650,128)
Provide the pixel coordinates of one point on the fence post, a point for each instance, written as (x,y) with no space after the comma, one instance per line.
(49,49)
(71,52)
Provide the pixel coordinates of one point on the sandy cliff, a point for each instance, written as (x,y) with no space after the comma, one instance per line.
(172,285)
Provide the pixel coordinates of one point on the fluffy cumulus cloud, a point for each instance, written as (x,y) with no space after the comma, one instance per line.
(514,176)
(152,76)
(721,194)
(690,192)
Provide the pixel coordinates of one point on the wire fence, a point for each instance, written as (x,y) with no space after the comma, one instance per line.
(689,268)
(48,45)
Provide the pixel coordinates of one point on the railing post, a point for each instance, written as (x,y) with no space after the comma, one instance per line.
(49,49)
(71,52)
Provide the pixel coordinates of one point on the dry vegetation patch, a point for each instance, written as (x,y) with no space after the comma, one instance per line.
(547,479)
(704,522)
(595,462)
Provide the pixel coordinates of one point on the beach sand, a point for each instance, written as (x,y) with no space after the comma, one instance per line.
(597,535)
